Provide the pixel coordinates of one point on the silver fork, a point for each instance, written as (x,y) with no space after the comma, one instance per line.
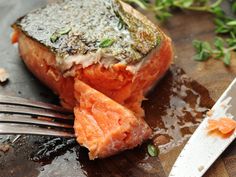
(22,116)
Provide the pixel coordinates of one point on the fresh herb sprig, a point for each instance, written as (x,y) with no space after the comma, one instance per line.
(222,49)
(225,25)
(162,8)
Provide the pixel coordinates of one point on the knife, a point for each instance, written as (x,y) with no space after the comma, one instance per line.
(203,149)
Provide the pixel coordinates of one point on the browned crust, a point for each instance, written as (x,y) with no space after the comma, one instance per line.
(116,82)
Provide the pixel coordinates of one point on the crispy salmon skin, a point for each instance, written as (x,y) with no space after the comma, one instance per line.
(100,62)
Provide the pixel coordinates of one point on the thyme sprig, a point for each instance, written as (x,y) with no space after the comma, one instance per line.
(223,45)
(221,50)
(162,8)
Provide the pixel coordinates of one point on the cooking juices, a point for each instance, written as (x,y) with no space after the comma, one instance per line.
(173,110)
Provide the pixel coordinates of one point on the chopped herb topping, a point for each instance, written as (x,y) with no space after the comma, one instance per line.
(64,30)
(54,37)
(133,38)
(106,43)
(152,150)
(58,33)
(158,41)
(121,23)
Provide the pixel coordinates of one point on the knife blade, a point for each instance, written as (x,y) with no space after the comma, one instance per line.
(203,149)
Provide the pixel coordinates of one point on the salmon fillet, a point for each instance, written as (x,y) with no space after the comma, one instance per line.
(107,59)
(110,127)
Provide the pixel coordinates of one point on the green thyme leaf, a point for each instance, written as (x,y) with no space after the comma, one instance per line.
(158,41)
(54,37)
(222,30)
(140,3)
(152,150)
(218,54)
(227,59)
(106,43)
(64,30)
(222,50)
(232,40)
(186,3)
(164,16)
(219,22)
(232,23)
(234,7)
(203,50)
(121,23)
(202,56)
(217,11)
(219,43)
(58,33)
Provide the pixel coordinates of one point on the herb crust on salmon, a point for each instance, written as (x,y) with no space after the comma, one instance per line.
(75,28)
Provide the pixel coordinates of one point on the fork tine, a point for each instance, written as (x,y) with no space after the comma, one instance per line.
(22,116)
(32,111)
(8,128)
(4,99)
(29,120)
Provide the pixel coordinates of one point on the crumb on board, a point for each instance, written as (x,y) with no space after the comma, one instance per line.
(3,75)
(161,140)
(200,168)
(209,113)
(4,147)
(185,77)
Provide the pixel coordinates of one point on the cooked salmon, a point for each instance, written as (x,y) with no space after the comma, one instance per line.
(224,125)
(110,127)
(112,52)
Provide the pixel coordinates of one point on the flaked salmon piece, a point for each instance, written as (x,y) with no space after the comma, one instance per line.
(115,53)
(104,126)
(225,125)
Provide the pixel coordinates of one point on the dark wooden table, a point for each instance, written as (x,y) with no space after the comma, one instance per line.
(23,158)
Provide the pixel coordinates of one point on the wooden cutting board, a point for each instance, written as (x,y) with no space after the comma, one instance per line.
(31,156)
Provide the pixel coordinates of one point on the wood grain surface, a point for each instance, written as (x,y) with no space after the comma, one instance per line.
(72,161)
